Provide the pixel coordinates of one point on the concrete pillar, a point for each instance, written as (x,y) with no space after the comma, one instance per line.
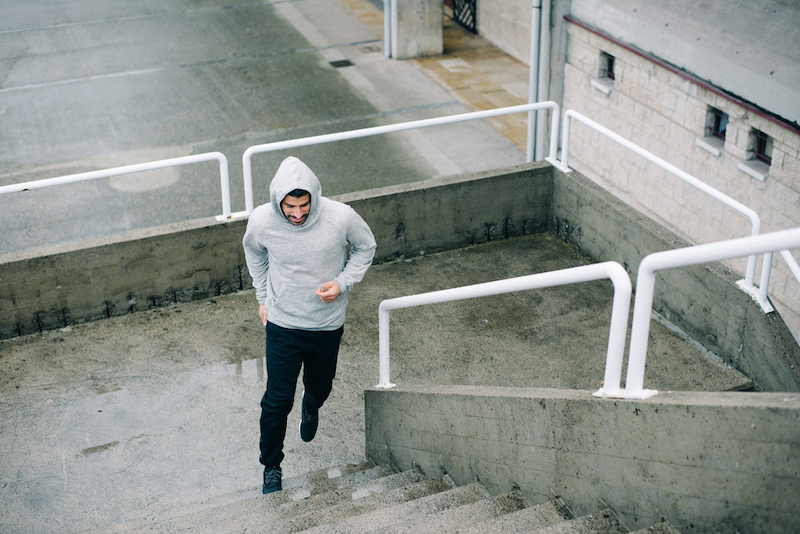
(417,28)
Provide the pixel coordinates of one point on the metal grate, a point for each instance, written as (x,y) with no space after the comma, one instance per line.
(341,63)
(464,13)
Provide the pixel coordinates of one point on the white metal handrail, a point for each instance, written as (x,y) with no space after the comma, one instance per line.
(139,167)
(755,220)
(793,265)
(378,130)
(683,257)
(766,269)
(585,273)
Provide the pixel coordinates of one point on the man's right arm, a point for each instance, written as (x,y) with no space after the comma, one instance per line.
(257,258)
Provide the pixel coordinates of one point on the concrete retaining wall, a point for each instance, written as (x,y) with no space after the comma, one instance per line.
(95,279)
(456,211)
(604,228)
(50,288)
(707,462)
(54,287)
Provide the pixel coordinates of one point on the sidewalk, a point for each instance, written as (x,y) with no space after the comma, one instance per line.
(256,55)
(472,70)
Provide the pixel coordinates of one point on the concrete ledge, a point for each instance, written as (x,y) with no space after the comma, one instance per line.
(712,145)
(456,211)
(755,168)
(54,287)
(707,462)
(96,279)
(605,86)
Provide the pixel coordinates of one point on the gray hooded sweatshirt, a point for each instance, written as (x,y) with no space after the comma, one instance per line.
(288,263)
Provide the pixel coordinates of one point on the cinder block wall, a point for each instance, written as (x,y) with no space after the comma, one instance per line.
(707,462)
(668,115)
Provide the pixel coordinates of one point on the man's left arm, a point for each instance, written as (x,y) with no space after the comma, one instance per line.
(362,250)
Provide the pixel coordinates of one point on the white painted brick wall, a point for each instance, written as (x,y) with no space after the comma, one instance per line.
(665,114)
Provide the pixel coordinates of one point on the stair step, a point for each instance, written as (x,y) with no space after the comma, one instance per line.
(659,528)
(292,504)
(295,488)
(355,503)
(385,517)
(362,498)
(452,519)
(525,520)
(329,475)
(602,522)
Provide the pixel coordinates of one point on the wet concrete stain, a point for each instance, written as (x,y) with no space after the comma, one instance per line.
(98,448)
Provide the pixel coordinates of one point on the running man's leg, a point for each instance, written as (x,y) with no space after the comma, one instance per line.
(284,358)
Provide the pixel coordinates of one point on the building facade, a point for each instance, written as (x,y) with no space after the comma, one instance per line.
(713,89)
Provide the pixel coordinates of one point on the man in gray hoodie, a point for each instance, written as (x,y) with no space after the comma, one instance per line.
(296,252)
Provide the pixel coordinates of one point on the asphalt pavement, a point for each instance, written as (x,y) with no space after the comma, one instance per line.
(95,84)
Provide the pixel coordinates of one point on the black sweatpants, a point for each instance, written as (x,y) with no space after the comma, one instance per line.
(287,351)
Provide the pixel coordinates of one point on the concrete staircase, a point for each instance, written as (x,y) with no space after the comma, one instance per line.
(362,497)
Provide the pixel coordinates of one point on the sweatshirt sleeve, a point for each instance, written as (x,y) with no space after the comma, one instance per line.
(257,258)
(362,251)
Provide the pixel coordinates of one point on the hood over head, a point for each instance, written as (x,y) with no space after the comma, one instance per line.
(294,174)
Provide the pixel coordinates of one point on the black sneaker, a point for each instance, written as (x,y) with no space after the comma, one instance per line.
(272,480)
(308,423)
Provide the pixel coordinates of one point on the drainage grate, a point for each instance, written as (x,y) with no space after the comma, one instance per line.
(341,63)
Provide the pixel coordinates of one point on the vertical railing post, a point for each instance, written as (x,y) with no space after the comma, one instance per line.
(683,257)
(640,329)
(617,331)
(224,184)
(766,270)
(555,120)
(533,78)
(564,165)
(383,347)
(247,171)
